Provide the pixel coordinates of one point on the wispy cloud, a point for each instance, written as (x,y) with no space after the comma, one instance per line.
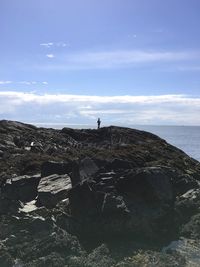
(116,59)
(128,57)
(127,109)
(28,82)
(57,44)
(5,82)
(33,82)
(50,56)
(47,45)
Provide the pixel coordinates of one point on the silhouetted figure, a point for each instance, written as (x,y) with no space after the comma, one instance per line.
(98,123)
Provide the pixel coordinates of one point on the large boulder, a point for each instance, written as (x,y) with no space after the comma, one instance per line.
(117,164)
(9,206)
(23,188)
(52,189)
(52,167)
(150,184)
(83,170)
(84,201)
(87,168)
(136,202)
(77,170)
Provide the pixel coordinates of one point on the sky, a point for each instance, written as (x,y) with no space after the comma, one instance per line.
(128,62)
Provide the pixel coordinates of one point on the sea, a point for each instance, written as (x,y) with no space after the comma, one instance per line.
(187,138)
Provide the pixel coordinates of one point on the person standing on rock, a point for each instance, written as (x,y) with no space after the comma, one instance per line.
(98,123)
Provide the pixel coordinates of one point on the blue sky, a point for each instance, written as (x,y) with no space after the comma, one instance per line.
(126,61)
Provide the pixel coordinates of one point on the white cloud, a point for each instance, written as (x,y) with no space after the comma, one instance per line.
(116,59)
(127,109)
(57,44)
(32,83)
(47,45)
(126,99)
(24,82)
(5,82)
(50,55)
(27,82)
(128,57)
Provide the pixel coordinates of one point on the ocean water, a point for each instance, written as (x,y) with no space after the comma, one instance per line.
(187,138)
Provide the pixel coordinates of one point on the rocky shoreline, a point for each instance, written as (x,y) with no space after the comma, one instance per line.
(109,197)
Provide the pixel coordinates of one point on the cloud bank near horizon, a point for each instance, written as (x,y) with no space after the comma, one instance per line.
(84,109)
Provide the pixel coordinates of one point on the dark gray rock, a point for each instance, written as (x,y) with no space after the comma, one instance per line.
(84,201)
(83,170)
(187,205)
(34,241)
(149,184)
(5,258)
(183,183)
(192,228)
(87,168)
(75,175)
(1,153)
(77,170)
(22,188)
(118,164)
(51,167)
(9,206)
(135,202)
(52,189)
(113,205)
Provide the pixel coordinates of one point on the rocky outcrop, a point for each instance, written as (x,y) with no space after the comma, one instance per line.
(65,192)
